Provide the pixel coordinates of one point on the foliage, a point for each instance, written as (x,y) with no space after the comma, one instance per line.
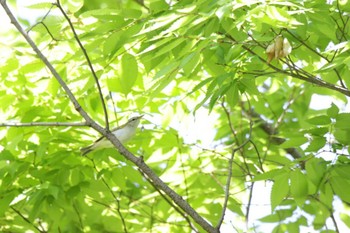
(219,118)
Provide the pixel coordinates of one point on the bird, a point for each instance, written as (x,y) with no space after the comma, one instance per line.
(124,133)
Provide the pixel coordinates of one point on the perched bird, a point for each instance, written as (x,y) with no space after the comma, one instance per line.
(124,133)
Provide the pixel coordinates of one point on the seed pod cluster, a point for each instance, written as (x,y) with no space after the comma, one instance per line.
(278,49)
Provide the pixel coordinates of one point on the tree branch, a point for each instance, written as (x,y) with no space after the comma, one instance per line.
(308,78)
(58,4)
(320,55)
(249,204)
(111,137)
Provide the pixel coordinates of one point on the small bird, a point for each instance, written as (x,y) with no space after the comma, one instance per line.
(124,133)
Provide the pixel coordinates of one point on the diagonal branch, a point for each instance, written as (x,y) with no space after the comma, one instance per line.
(320,55)
(58,4)
(111,137)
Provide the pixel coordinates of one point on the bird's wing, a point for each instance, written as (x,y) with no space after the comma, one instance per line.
(99,139)
(102,137)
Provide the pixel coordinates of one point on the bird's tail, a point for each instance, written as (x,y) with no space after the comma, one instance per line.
(85,150)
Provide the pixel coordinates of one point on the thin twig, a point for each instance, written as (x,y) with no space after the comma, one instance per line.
(230,163)
(258,153)
(335,223)
(286,107)
(113,195)
(330,210)
(42,22)
(320,55)
(27,220)
(79,216)
(183,214)
(249,205)
(58,4)
(182,167)
(342,29)
(114,107)
(307,46)
(118,204)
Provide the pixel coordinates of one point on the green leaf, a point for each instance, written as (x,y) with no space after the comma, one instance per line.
(101,12)
(319,120)
(232,95)
(293,227)
(200,85)
(11,64)
(318,131)
(294,142)
(113,43)
(316,144)
(333,111)
(168,47)
(298,186)
(315,170)
(248,84)
(5,202)
(342,170)
(277,14)
(73,5)
(327,195)
(269,175)
(190,62)
(342,121)
(342,136)
(166,70)
(40,6)
(341,187)
(129,72)
(280,190)
(278,216)
(346,219)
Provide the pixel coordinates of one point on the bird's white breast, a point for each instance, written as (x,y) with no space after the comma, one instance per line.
(125,134)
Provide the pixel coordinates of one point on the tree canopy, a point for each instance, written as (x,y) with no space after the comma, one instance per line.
(227,89)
